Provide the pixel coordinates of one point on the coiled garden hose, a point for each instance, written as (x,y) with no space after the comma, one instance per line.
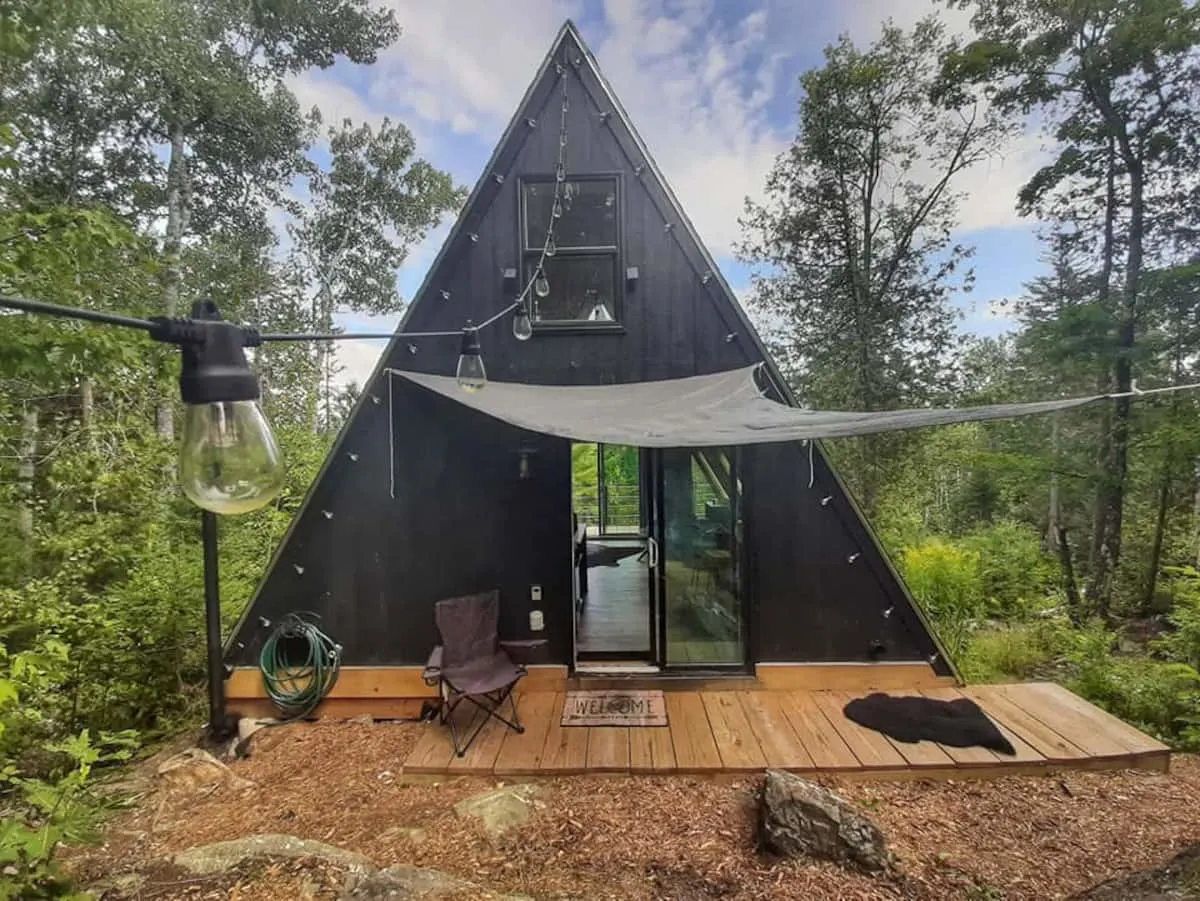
(299,665)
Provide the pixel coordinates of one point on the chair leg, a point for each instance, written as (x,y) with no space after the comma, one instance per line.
(491,709)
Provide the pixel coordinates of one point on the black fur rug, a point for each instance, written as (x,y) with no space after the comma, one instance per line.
(959,723)
(610,555)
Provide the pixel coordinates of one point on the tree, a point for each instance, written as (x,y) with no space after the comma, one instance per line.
(857,226)
(1117,81)
(365,211)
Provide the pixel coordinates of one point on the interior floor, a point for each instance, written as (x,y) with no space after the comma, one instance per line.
(615,618)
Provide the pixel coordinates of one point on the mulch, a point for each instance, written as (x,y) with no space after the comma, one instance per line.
(677,838)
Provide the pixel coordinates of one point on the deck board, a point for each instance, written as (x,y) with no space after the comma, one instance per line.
(608,749)
(521,753)
(824,745)
(691,734)
(738,731)
(651,750)
(1118,730)
(736,743)
(1046,741)
(565,750)
(781,746)
(874,750)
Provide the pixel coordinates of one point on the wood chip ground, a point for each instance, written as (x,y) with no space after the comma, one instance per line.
(678,838)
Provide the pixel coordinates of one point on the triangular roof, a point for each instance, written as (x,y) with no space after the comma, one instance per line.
(570,47)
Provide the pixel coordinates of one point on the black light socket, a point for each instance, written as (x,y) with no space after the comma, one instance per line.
(214,369)
(470,342)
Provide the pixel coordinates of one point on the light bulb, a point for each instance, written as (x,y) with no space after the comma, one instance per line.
(229,462)
(522,327)
(551,247)
(541,284)
(470,374)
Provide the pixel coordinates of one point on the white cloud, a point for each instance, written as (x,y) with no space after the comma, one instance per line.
(335,100)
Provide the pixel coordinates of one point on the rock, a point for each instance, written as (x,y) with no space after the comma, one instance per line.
(419,884)
(1177,880)
(196,768)
(798,818)
(223,856)
(122,883)
(412,833)
(499,810)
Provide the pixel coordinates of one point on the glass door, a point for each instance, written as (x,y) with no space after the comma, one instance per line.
(698,532)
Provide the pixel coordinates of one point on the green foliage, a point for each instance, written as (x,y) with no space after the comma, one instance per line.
(1183,643)
(1023,650)
(947,581)
(39,814)
(1014,571)
(1161,698)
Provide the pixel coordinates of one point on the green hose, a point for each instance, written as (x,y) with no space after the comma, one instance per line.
(297,686)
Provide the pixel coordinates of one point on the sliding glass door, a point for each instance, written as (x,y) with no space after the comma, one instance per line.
(698,529)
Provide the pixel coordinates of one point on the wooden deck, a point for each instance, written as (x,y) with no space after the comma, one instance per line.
(801,731)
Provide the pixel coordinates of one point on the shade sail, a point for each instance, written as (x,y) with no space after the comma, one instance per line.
(722,409)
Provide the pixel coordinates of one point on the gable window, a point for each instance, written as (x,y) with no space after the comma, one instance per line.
(580,285)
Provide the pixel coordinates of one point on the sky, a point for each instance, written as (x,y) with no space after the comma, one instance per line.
(711,85)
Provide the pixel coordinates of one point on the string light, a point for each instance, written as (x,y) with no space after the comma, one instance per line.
(471,374)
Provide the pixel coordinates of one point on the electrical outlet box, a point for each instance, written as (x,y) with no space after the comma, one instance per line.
(536,621)
(535,592)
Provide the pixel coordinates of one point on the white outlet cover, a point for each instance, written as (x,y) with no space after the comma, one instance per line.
(536,621)
(535,592)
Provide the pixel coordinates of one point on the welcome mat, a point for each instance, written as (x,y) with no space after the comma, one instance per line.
(614,708)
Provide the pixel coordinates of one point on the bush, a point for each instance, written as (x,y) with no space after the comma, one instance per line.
(1161,698)
(946,581)
(1018,651)
(1014,572)
(1183,644)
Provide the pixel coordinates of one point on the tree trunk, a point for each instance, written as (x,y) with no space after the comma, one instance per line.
(26,471)
(1070,586)
(1054,514)
(1111,497)
(1160,528)
(172,251)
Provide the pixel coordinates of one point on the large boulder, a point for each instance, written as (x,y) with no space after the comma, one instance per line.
(800,819)
(1177,880)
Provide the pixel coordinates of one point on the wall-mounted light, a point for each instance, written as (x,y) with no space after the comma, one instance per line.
(631,275)
(524,462)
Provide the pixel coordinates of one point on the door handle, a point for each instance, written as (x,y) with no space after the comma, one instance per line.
(652,546)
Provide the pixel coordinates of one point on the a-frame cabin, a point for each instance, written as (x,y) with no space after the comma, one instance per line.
(748,562)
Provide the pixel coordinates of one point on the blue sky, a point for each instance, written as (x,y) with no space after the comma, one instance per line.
(712,86)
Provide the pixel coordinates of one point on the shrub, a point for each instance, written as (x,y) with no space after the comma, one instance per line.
(1017,651)
(1014,572)
(1159,697)
(1183,644)
(946,581)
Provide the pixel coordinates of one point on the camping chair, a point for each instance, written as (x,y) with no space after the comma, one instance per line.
(470,665)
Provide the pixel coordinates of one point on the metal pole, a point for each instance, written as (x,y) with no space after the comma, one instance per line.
(212,613)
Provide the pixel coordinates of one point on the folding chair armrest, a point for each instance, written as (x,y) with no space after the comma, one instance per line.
(433,667)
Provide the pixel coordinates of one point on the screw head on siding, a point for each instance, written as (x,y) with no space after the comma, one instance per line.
(639,168)
(706,277)
(353,457)
(445,294)
(853,557)
(605,115)
(375,400)
(328,514)
(412,348)
(264,622)
(887,614)
(825,501)
(298,568)
(667,226)
(474,237)
(499,177)
(531,122)
(731,337)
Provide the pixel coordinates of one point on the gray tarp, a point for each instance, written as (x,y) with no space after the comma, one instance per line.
(725,408)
